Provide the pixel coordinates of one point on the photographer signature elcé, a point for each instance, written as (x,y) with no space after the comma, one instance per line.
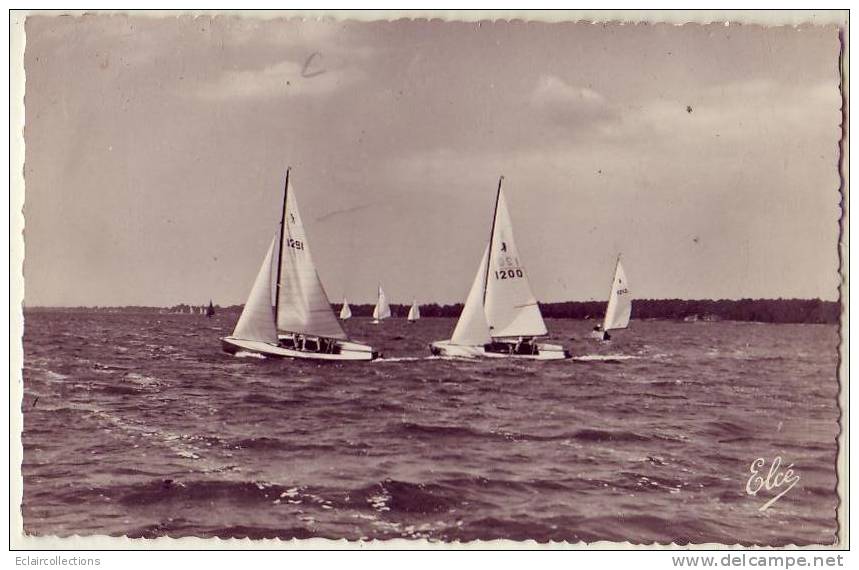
(774,478)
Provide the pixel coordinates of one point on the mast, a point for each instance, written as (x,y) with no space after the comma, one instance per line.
(280,247)
(491,236)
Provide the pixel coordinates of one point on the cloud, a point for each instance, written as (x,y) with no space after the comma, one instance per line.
(748,113)
(282,79)
(569,104)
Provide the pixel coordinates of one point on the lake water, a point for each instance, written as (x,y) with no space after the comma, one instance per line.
(137,424)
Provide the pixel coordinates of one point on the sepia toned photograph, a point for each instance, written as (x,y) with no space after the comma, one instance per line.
(571,281)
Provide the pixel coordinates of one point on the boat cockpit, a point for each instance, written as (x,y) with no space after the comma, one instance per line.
(309,343)
(520,346)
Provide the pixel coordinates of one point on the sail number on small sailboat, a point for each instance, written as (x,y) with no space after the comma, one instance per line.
(508,266)
(509,274)
(295,243)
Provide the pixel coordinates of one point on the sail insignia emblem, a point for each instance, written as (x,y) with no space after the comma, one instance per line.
(503,246)
(291,217)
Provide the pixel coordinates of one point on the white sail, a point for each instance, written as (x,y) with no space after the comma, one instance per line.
(303,306)
(414,311)
(511,308)
(619,302)
(382,310)
(257,319)
(471,328)
(345,311)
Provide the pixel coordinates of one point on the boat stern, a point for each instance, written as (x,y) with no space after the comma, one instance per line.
(553,352)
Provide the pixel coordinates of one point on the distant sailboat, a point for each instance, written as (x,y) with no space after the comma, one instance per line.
(501,317)
(382,310)
(210,310)
(619,307)
(414,312)
(345,311)
(287,313)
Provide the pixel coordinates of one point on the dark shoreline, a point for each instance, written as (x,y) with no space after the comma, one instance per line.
(809,311)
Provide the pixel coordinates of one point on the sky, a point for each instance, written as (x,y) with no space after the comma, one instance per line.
(156,149)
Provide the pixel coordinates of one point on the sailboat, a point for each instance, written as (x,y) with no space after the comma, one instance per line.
(414,312)
(345,311)
(501,317)
(287,313)
(619,307)
(210,310)
(382,310)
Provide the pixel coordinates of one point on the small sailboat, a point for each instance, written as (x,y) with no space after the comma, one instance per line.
(619,307)
(414,312)
(382,310)
(210,310)
(287,313)
(345,311)
(501,317)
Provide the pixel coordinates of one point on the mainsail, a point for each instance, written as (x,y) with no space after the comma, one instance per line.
(302,305)
(414,311)
(382,310)
(511,308)
(619,302)
(345,311)
(257,319)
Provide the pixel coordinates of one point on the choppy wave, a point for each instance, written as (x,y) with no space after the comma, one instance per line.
(647,439)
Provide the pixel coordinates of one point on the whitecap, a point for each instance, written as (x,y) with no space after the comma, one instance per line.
(55,375)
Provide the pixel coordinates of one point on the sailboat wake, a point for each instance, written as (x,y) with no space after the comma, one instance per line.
(417,358)
(604,357)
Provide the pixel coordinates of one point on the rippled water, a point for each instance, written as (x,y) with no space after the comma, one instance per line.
(137,424)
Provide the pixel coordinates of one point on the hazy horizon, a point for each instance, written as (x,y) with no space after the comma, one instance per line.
(407,304)
(156,150)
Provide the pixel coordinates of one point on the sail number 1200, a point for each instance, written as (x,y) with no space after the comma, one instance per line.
(295,243)
(509,274)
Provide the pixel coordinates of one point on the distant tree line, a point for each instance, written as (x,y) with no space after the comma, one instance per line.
(759,310)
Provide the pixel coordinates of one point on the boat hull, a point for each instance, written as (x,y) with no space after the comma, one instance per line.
(348,350)
(545,351)
(600,335)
